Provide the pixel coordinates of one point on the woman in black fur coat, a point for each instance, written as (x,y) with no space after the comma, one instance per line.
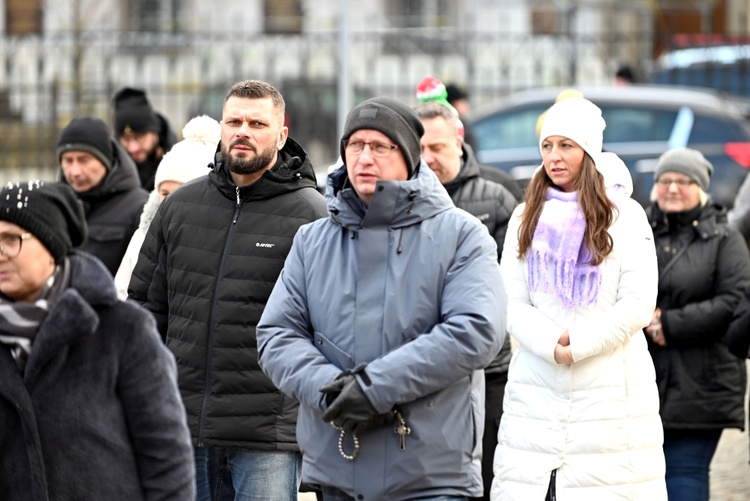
(89,406)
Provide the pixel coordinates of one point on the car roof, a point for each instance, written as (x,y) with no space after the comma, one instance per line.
(657,95)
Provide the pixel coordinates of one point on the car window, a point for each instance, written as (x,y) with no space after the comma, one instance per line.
(633,124)
(710,129)
(513,129)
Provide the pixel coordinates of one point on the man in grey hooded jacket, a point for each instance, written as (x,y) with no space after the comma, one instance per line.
(381,321)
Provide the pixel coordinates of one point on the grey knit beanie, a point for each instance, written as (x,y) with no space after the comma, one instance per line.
(394,119)
(686,161)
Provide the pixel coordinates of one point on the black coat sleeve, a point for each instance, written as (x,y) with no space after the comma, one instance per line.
(738,335)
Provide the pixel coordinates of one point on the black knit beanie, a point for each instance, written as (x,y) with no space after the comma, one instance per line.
(88,134)
(133,112)
(394,119)
(50,211)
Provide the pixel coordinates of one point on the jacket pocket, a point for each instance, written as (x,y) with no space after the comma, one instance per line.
(333,353)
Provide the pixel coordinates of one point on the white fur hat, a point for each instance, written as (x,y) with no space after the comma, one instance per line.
(190,157)
(577,119)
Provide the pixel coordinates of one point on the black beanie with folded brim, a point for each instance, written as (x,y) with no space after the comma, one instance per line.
(51,212)
(89,134)
(133,112)
(394,119)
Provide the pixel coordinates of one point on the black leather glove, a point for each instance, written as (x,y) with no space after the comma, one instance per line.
(350,410)
(360,427)
(333,389)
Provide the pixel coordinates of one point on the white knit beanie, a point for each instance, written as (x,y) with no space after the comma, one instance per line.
(190,157)
(577,119)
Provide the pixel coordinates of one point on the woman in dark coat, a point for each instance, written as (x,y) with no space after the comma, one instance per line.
(89,406)
(703,269)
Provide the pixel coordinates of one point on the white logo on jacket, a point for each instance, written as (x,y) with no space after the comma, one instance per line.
(261,244)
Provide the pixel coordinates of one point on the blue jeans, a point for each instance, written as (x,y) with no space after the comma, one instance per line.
(688,456)
(334,494)
(226,474)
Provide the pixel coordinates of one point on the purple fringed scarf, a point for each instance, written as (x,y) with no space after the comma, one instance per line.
(558,255)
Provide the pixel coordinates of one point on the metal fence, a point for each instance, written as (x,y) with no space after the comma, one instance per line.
(45,82)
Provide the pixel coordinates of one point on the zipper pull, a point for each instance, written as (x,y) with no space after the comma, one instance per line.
(237,191)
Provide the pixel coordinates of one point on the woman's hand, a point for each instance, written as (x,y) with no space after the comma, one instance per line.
(654,329)
(563,354)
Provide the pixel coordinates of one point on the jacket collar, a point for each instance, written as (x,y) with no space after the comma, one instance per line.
(469,169)
(706,221)
(396,205)
(293,171)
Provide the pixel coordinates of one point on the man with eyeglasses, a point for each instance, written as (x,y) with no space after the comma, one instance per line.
(105,179)
(144,133)
(382,320)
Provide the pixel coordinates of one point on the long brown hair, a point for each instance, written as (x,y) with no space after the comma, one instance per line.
(598,210)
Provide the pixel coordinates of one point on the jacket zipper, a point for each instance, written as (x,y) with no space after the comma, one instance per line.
(210,342)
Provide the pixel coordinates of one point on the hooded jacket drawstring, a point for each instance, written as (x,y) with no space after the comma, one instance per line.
(400,249)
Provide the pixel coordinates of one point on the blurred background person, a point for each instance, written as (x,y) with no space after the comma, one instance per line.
(739,215)
(105,180)
(187,160)
(458,97)
(144,133)
(580,414)
(89,406)
(432,90)
(624,76)
(704,268)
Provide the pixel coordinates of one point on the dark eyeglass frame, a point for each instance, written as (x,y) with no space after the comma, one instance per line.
(377,149)
(4,239)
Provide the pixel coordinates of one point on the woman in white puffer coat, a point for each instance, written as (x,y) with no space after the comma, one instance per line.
(581,409)
(187,160)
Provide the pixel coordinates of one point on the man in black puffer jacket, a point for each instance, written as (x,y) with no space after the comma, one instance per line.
(206,269)
(458,170)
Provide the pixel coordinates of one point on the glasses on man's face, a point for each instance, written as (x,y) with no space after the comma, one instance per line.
(377,149)
(10,244)
(664,182)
